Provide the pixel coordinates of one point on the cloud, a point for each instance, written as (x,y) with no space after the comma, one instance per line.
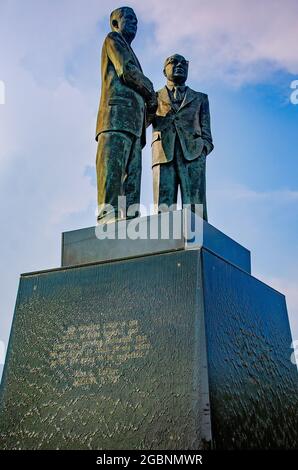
(259,211)
(51,29)
(2,92)
(224,39)
(240,192)
(46,147)
(230,39)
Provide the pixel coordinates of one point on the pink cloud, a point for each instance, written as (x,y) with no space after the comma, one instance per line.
(230,39)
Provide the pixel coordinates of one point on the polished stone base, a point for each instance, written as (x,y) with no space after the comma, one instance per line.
(167,232)
(179,350)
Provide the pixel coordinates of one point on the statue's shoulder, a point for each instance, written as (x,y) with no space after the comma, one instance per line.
(162,90)
(199,94)
(114,36)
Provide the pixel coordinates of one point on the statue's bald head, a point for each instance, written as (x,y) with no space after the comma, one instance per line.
(176,69)
(123,20)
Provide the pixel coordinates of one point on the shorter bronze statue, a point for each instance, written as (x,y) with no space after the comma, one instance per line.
(125,94)
(181,140)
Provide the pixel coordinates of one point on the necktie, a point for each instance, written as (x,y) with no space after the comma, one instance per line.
(178,94)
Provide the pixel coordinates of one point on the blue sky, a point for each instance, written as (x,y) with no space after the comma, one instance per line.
(244,57)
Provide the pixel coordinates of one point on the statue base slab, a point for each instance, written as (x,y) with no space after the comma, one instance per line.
(177,350)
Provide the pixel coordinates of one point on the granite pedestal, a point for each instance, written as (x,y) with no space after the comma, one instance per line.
(175,347)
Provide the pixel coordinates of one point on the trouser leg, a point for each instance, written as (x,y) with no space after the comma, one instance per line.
(132,181)
(165,186)
(113,152)
(192,179)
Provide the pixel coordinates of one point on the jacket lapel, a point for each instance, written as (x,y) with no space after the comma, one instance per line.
(136,59)
(163,95)
(190,95)
(132,53)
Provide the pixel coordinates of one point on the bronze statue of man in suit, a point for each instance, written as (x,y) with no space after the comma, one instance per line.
(120,132)
(181,139)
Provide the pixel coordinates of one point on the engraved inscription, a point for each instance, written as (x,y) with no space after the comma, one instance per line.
(93,353)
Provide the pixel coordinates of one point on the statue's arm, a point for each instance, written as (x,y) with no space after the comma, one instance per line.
(126,68)
(149,119)
(151,112)
(206,125)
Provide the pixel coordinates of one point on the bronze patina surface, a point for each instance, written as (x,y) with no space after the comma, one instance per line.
(181,139)
(120,131)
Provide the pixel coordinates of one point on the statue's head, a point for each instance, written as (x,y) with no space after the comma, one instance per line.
(176,69)
(123,20)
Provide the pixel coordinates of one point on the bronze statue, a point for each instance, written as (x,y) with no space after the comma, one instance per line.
(181,139)
(120,132)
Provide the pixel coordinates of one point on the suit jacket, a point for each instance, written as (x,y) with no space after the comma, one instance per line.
(124,89)
(191,123)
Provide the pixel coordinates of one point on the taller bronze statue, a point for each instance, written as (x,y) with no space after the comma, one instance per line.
(181,140)
(120,131)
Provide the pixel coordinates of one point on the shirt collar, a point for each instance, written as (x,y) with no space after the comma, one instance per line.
(182,88)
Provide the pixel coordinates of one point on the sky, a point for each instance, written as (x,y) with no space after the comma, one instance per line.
(244,55)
